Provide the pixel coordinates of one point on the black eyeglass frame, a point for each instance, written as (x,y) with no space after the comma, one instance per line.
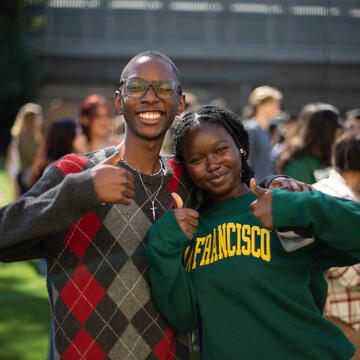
(175,85)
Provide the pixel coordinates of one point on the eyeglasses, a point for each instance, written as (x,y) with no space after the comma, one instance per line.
(164,89)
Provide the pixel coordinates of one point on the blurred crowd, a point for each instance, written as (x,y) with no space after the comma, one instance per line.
(37,143)
(317,145)
(301,145)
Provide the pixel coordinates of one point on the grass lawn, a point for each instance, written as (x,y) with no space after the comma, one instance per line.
(24,312)
(6,189)
(24,306)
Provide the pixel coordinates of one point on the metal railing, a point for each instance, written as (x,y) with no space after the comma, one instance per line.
(299,30)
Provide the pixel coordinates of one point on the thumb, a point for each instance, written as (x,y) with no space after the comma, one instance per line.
(255,189)
(178,200)
(117,156)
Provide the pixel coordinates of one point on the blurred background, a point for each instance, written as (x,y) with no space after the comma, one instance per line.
(57,52)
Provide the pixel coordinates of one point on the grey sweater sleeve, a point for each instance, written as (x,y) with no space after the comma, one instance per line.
(53,204)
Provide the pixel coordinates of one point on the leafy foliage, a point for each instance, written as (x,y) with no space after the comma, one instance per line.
(19,75)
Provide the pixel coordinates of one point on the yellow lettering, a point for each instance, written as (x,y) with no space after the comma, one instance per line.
(206,254)
(230,227)
(246,238)
(222,241)
(265,245)
(199,241)
(246,243)
(238,245)
(254,229)
(185,254)
(214,255)
(188,264)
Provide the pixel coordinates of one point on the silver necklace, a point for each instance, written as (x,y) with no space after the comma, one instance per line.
(151,196)
(153,174)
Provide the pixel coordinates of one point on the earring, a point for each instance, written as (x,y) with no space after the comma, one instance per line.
(242,151)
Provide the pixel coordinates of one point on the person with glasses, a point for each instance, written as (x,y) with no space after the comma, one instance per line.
(88,216)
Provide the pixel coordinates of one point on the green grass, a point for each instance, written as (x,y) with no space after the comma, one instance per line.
(24,312)
(24,306)
(6,187)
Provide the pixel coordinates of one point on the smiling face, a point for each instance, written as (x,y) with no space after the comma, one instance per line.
(149,117)
(213,161)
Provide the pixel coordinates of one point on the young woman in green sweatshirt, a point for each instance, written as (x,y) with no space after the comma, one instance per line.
(225,272)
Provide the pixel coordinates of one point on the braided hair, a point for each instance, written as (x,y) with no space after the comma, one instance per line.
(216,115)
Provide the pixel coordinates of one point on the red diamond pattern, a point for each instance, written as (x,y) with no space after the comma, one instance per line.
(71,164)
(165,349)
(83,347)
(80,235)
(177,170)
(82,293)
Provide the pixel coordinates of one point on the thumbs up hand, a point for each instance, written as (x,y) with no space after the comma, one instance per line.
(113,184)
(186,218)
(261,208)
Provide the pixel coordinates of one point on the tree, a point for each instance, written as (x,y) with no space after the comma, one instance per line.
(19,74)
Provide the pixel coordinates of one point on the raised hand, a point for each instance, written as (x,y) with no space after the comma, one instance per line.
(290,184)
(186,218)
(113,184)
(261,207)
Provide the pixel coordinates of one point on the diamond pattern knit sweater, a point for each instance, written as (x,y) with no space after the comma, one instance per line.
(96,255)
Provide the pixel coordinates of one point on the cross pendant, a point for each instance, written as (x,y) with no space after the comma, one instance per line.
(153,208)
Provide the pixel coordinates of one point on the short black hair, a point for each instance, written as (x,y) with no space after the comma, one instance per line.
(216,115)
(152,54)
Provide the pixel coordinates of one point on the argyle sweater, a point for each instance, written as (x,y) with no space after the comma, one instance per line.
(96,254)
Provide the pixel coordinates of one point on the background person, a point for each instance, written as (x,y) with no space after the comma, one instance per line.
(97,119)
(287,127)
(310,149)
(352,120)
(27,134)
(263,108)
(343,300)
(64,136)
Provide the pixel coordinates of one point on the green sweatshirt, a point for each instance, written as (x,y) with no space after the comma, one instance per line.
(302,168)
(254,300)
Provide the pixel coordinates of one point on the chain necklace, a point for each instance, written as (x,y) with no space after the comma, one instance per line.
(154,174)
(151,196)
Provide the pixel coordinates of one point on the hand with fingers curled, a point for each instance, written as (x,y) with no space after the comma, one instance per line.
(186,218)
(290,184)
(113,184)
(261,207)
